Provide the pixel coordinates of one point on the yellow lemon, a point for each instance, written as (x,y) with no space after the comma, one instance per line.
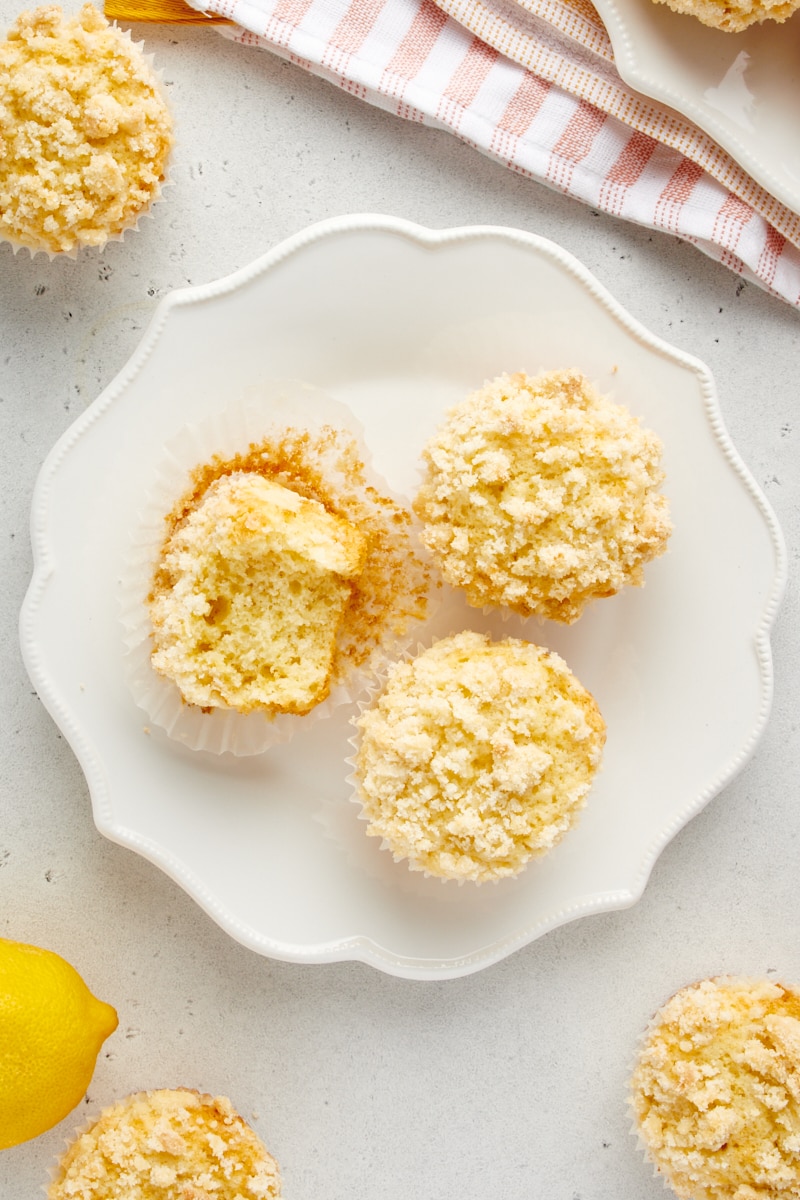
(51,1030)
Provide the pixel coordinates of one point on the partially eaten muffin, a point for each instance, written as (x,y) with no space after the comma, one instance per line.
(249,595)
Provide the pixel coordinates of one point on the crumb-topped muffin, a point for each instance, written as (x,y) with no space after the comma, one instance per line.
(84,131)
(477,756)
(249,596)
(170,1144)
(540,495)
(268,585)
(733,16)
(716,1091)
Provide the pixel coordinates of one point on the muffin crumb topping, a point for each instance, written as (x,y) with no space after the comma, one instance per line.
(541,495)
(477,756)
(716,1091)
(84,131)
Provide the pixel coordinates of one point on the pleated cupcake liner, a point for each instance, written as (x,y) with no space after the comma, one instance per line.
(273,409)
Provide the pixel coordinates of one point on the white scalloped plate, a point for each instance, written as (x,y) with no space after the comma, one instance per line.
(398,322)
(743,89)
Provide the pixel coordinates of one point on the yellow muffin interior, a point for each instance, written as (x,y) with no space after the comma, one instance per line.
(249,595)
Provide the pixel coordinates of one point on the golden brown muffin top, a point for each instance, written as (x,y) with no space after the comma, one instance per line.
(84,131)
(716,1090)
(170,1144)
(541,495)
(477,756)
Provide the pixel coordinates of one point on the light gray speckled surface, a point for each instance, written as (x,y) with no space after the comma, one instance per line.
(507,1084)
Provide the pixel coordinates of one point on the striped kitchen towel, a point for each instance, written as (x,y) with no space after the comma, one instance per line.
(534,86)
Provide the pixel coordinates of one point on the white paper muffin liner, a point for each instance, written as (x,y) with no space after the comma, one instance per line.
(91,1116)
(266,412)
(635,1128)
(157,198)
(54,1168)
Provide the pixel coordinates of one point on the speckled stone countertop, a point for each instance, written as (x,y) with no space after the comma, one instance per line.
(506,1084)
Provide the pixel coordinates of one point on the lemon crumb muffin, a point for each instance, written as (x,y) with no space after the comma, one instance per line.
(167,1145)
(541,495)
(249,594)
(716,1091)
(84,131)
(477,756)
(732,16)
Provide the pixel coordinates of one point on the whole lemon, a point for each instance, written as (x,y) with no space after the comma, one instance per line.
(51,1029)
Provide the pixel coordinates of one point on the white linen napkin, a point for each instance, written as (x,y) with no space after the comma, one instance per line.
(533,85)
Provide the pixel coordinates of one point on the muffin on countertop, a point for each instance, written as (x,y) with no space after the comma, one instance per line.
(84,131)
(716,1091)
(170,1144)
(540,495)
(477,756)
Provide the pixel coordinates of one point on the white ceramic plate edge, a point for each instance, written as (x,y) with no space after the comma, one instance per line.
(361,948)
(631,71)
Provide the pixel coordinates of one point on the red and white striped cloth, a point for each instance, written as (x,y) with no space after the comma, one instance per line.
(533,85)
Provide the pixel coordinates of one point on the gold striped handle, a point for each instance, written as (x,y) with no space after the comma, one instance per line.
(168,11)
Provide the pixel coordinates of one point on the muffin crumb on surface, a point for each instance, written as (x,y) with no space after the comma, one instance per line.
(541,495)
(716,1091)
(477,756)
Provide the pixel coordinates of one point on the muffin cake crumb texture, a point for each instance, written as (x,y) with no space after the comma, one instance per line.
(384,578)
(249,595)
